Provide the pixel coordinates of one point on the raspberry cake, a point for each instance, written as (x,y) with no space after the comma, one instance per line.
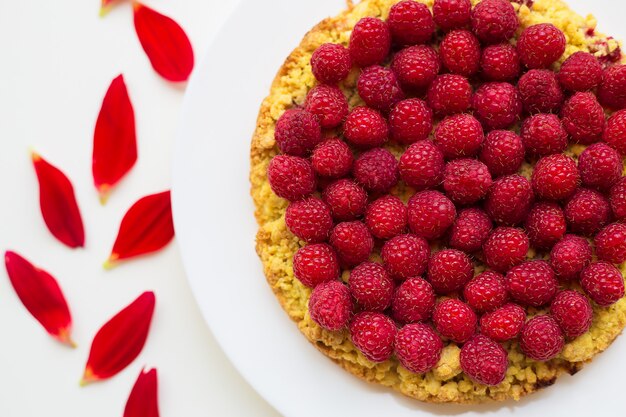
(440,194)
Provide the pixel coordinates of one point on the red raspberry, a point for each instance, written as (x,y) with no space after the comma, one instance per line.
(540,91)
(539,46)
(618,199)
(600,166)
(466,181)
(449,94)
(603,283)
(572,312)
(484,361)
(410,120)
(413,301)
(410,23)
(611,243)
(509,200)
(587,212)
(370,42)
(328,103)
(430,214)
(421,166)
(494,21)
(373,334)
(314,264)
(386,217)
(486,292)
(379,88)
(583,118)
(612,89)
(503,324)
(580,72)
(291,177)
(532,283)
(505,248)
(459,136)
(309,219)
(346,199)
(460,52)
(452,14)
(376,170)
(297,132)
(541,338)
(555,177)
(545,225)
(543,134)
(330,305)
(470,230)
(416,67)
(615,132)
(502,152)
(331,63)
(418,348)
(332,158)
(497,105)
(352,241)
(500,62)
(405,256)
(371,287)
(569,256)
(449,270)
(455,320)
(365,128)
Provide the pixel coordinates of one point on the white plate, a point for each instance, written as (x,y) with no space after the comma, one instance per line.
(216,228)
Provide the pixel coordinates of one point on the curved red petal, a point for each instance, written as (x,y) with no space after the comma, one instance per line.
(143,400)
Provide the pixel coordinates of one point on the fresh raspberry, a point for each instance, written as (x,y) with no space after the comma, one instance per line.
(569,256)
(413,301)
(539,46)
(615,132)
(370,42)
(583,118)
(500,62)
(460,135)
(618,199)
(509,200)
(502,152)
(555,177)
(503,324)
(410,121)
(328,103)
(497,105)
(405,256)
(600,166)
(330,305)
(470,230)
(484,361)
(587,212)
(352,241)
(494,21)
(421,165)
(505,248)
(541,338)
(580,72)
(331,63)
(332,159)
(309,219)
(365,128)
(540,92)
(371,287)
(410,23)
(532,283)
(449,270)
(297,132)
(314,264)
(543,134)
(460,52)
(486,292)
(430,214)
(466,181)
(379,88)
(611,243)
(386,217)
(291,177)
(612,89)
(416,67)
(572,312)
(346,199)
(418,348)
(455,320)
(603,283)
(373,334)
(376,170)
(545,225)
(449,94)
(452,14)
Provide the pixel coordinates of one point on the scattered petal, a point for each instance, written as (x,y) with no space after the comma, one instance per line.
(143,399)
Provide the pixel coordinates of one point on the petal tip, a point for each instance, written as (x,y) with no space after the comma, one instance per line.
(88,378)
(111,262)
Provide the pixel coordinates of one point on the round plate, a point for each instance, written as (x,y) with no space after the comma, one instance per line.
(216,228)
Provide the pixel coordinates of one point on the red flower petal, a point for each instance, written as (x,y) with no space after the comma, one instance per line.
(41,295)
(120,340)
(114,139)
(105,6)
(146,228)
(58,204)
(165,43)
(143,399)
